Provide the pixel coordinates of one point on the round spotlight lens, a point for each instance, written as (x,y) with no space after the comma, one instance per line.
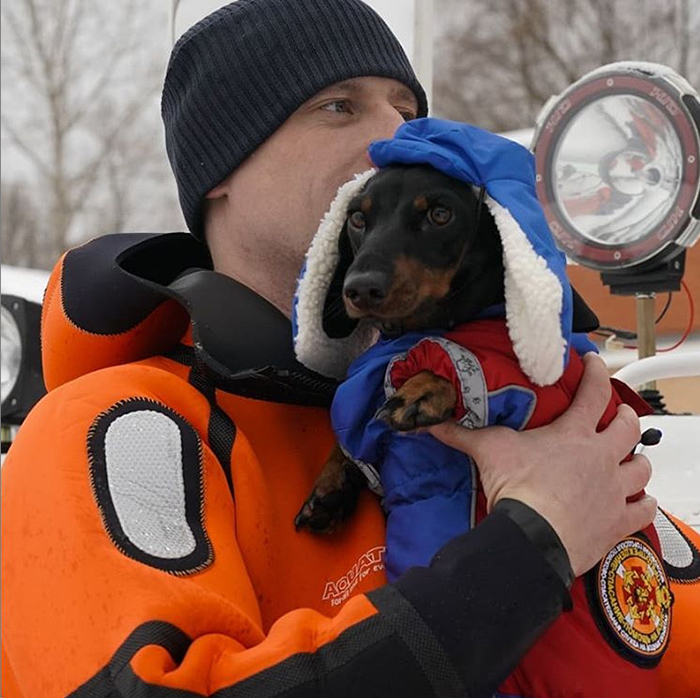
(11,355)
(619,186)
(617,166)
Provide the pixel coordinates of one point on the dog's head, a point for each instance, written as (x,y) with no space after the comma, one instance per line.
(418,250)
(410,248)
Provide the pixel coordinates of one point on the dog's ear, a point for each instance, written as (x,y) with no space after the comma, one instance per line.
(336,322)
(584,319)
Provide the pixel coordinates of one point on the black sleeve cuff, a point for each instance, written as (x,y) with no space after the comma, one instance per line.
(485,598)
(542,536)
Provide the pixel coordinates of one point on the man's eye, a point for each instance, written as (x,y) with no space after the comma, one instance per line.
(338,106)
(357,220)
(407,114)
(439,215)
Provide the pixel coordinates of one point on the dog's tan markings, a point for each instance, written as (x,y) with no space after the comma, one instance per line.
(420,203)
(366,204)
(412,285)
(423,400)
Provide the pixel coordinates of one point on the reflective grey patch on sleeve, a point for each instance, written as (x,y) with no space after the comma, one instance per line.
(374,481)
(144,472)
(146,469)
(674,547)
(680,556)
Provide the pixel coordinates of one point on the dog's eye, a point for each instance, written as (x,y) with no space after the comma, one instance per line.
(357,220)
(439,215)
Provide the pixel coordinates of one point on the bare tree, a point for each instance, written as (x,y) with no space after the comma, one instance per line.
(83,80)
(498,61)
(18,224)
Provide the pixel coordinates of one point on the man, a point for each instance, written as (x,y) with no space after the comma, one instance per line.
(149,546)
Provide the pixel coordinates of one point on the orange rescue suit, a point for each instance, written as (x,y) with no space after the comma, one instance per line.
(115,584)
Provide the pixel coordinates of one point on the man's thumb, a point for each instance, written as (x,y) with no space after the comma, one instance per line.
(466,440)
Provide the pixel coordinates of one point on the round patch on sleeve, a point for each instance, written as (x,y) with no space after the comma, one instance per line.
(146,472)
(631,601)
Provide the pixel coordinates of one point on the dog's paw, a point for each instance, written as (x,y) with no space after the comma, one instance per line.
(332,500)
(321,513)
(422,401)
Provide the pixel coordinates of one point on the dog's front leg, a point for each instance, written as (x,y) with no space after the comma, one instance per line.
(422,401)
(334,496)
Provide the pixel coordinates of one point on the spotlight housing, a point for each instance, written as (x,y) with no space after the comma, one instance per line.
(22,377)
(618,157)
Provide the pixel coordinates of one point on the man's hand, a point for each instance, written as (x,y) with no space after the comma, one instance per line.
(568,473)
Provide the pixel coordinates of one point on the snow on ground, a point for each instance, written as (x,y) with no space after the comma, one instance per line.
(26,283)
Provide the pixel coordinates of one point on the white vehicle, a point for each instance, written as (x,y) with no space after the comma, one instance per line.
(21,379)
(676,459)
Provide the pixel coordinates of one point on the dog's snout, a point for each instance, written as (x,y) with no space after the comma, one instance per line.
(366,289)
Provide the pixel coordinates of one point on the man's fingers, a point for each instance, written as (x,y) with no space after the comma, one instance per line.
(640,514)
(624,430)
(635,474)
(593,393)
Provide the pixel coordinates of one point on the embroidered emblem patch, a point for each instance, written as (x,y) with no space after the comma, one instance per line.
(635,600)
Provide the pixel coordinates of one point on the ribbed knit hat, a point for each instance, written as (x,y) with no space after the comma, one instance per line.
(238,74)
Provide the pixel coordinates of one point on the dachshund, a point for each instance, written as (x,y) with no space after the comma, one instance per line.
(419,251)
(422,252)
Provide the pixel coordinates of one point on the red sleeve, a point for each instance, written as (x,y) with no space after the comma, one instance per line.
(452,362)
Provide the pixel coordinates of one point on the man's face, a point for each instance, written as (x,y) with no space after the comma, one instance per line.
(262,218)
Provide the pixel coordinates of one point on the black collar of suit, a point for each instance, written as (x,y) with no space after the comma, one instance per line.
(242,343)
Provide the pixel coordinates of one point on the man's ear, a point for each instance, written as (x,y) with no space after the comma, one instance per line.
(336,322)
(584,319)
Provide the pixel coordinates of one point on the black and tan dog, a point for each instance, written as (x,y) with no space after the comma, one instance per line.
(419,250)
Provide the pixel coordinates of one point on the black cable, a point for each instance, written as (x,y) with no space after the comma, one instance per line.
(666,307)
(622,334)
(605,331)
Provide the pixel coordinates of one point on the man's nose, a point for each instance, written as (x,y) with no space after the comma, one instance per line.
(383,126)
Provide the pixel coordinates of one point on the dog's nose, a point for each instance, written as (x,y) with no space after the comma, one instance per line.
(366,289)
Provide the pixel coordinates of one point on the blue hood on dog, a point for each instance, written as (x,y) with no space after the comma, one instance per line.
(538,293)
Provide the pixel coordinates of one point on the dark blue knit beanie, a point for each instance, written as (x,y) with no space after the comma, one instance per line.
(237,75)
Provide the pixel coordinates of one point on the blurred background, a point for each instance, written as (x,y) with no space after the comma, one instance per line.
(82,144)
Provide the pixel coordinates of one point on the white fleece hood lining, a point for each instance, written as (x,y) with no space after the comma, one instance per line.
(313,347)
(534,299)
